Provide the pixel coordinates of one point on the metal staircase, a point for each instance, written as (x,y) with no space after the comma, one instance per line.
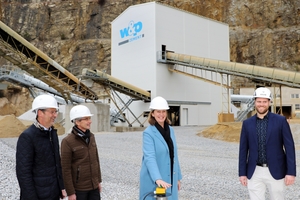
(242,114)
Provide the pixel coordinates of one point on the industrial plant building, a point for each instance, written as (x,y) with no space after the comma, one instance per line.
(141,35)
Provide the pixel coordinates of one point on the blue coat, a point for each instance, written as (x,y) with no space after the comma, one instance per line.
(156,163)
(280,148)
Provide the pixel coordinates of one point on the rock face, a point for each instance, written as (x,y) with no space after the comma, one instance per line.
(14,101)
(76,33)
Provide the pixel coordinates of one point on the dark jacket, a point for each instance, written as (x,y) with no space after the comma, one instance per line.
(38,165)
(80,163)
(280,148)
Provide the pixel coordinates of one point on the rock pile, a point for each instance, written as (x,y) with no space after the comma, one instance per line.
(10,126)
(230,131)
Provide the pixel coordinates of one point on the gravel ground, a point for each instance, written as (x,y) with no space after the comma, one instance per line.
(209,167)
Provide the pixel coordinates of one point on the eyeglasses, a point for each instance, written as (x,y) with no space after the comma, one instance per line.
(52,112)
(85,118)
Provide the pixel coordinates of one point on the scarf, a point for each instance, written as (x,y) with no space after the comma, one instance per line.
(165,132)
(85,135)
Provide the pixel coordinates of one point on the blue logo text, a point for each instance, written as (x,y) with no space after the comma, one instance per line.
(132,30)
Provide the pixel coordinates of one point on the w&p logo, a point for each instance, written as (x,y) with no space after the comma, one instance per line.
(132,31)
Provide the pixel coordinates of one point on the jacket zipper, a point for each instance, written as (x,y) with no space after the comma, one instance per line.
(77,177)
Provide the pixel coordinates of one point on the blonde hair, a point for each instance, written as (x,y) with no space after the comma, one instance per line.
(152,120)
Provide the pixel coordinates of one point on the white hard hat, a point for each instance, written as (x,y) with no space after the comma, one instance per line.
(44,101)
(159,103)
(262,92)
(79,111)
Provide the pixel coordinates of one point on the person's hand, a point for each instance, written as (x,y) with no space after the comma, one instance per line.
(163,184)
(99,187)
(63,194)
(289,180)
(72,197)
(179,185)
(243,180)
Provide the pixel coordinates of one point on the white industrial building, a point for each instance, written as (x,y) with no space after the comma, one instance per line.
(143,30)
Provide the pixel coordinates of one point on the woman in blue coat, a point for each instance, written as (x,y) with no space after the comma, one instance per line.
(160,165)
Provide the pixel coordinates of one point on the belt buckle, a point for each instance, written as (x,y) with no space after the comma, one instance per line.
(262,165)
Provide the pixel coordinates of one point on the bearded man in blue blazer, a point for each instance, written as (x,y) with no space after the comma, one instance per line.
(267,151)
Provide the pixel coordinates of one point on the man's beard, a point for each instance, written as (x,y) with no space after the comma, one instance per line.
(265,110)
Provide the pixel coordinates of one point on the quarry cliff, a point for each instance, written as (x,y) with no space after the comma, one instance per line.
(76,34)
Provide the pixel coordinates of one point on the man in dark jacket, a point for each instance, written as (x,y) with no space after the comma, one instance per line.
(38,165)
(267,156)
(79,157)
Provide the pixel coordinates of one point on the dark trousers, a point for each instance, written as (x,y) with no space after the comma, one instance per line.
(88,195)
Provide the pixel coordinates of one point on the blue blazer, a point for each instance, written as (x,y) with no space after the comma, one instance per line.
(280,148)
(156,163)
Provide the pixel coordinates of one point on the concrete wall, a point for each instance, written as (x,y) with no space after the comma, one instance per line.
(100,118)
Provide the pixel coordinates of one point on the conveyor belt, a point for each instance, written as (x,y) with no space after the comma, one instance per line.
(18,77)
(23,54)
(118,85)
(253,72)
